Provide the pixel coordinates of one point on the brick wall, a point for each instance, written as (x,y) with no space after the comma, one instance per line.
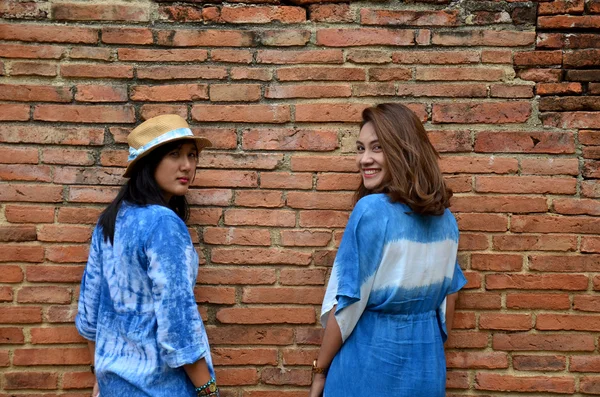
(509,91)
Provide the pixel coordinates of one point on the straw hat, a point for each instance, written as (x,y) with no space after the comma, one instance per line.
(154,133)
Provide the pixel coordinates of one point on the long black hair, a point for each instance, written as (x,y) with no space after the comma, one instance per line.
(142,189)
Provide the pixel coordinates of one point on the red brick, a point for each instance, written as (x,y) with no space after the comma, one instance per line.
(586,303)
(479,300)
(568,206)
(259,199)
(464,320)
(30,380)
(525,184)
(493,38)
(496,56)
(33,69)
(302,277)
(232,56)
(96,71)
(331,13)
(261,217)
(509,383)
(236,276)
(369,56)
(550,166)
(511,91)
(473,242)
(59,295)
(308,91)
(204,38)
(65,233)
(23,10)
(80,175)
(561,7)
(31,51)
(494,113)
(48,33)
(68,156)
(320,73)
(262,14)
(540,75)
(18,233)
(168,93)
(305,238)
(475,165)
(390,74)
(170,55)
(51,356)
(205,216)
(101,93)
(538,58)
(513,204)
(257,256)
(585,364)
(539,363)
(292,295)
(285,38)
(593,7)
(181,72)
(320,200)
(299,57)
(459,74)
(364,37)
(236,236)
(85,114)
(558,88)
(497,262)
(33,173)
(569,22)
(590,244)
(289,139)
(589,384)
(344,181)
(31,193)
(242,356)
(567,322)
(78,380)
(408,18)
(99,12)
(61,314)
(297,377)
(312,163)
(11,335)
(55,335)
(251,74)
(242,113)
(79,215)
(180,13)
(482,222)
(217,295)
(507,322)
(323,218)
(471,360)
(29,214)
(442,90)
(86,194)
(225,178)
(103,54)
(554,224)
(267,315)
(567,282)
(435,57)
(535,242)
(149,111)
(127,35)
(10,274)
(235,92)
(13,112)
(20,315)
(27,133)
(467,340)
(564,263)
(35,93)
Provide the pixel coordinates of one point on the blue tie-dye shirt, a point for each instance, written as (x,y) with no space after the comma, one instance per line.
(390,279)
(137,303)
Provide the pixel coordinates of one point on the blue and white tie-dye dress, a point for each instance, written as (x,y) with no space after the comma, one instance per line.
(390,279)
(137,302)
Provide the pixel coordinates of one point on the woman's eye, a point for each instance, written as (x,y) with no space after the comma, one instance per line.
(360,149)
(376,148)
(193,155)
(174,154)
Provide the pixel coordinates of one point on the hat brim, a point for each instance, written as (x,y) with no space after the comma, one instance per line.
(201,143)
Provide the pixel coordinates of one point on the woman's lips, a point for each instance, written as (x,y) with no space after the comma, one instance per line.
(183,180)
(370,173)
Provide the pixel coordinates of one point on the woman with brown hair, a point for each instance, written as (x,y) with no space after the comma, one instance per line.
(391,294)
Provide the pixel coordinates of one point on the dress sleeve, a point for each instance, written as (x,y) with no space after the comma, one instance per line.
(89,294)
(458,281)
(354,268)
(172,268)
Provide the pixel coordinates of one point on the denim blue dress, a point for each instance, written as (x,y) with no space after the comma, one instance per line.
(390,279)
(137,303)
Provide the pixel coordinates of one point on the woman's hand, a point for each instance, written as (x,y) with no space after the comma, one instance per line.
(95,390)
(318,384)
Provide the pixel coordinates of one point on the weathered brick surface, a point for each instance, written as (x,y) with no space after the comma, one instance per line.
(509,92)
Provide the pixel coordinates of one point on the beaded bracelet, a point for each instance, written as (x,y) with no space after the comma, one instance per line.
(208,389)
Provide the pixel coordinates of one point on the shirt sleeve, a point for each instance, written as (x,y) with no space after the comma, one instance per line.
(89,294)
(354,268)
(172,268)
(458,281)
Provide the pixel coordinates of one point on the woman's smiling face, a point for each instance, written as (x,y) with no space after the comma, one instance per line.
(370,158)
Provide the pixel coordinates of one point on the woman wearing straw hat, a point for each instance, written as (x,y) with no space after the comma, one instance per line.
(137,306)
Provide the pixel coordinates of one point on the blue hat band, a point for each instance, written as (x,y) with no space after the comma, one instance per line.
(168,136)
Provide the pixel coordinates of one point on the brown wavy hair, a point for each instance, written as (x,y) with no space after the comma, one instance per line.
(414,176)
